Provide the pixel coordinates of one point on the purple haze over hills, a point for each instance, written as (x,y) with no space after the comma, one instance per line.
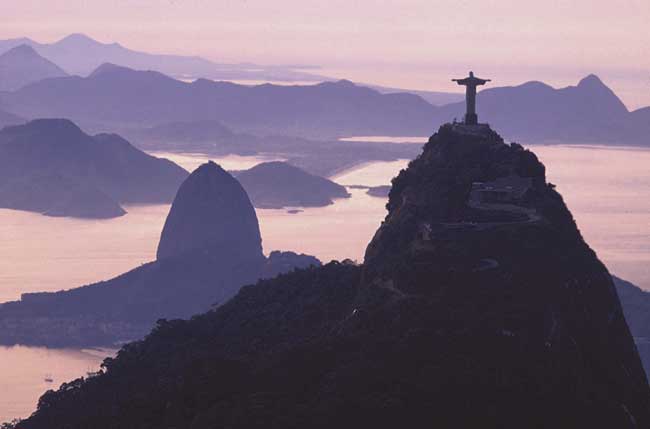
(22,65)
(79,54)
(115,97)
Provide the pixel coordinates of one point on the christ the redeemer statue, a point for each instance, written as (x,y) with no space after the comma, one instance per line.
(470,84)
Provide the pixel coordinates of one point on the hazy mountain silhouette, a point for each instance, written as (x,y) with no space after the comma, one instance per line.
(114,96)
(207,137)
(7,118)
(478,305)
(187,133)
(437,98)
(80,54)
(319,157)
(589,112)
(54,194)
(22,65)
(639,120)
(209,248)
(51,166)
(279,184)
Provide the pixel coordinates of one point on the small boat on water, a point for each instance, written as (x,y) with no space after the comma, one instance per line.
(48,378)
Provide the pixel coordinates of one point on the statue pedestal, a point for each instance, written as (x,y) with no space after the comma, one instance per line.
(471,119)
(472,129)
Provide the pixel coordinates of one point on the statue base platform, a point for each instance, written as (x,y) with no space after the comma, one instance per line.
(472,129)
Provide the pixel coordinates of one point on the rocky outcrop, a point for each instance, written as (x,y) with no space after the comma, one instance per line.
(478,305)
(50,166)
(278,184)
(210,247)
(483,252)
(211,211)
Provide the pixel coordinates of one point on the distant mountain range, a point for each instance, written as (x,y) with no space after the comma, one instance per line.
(114,96)
(119,98)
(437,98)
(79,54)
(589,112)
(319,157)
(22,65)
(50,166)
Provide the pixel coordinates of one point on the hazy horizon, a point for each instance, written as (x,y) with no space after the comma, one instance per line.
(557,43)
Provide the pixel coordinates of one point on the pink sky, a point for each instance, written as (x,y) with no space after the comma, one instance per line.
(408,43)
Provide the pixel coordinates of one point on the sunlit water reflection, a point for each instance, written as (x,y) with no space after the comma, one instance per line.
(27,372)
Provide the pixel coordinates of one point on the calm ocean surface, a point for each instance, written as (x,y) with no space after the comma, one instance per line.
(607,189)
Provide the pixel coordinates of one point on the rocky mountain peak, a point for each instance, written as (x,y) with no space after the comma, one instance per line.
(21,51)
(211,212)
(78,39)
(596,92)
(62,131)
(108,68)
(478,248)
(461,166)
(22,65)
(591,80)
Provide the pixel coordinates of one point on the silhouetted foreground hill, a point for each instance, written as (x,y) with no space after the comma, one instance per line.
(278,184)
(22,65)
(636,306)
(478,305)
(210,247)
(50,166)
